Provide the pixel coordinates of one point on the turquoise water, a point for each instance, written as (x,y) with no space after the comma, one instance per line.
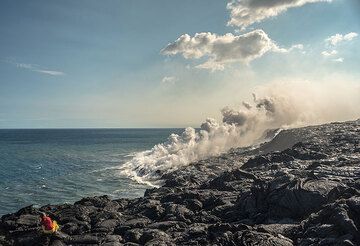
(63,165)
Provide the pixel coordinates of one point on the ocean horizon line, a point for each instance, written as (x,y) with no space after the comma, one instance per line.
(97,128)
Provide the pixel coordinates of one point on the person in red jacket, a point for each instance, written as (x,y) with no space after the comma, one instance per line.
(47,224)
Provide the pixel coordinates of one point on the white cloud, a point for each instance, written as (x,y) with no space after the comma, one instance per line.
(339,60)
(23,65)
(339,38)
(329,53)
(169,80)
(35,68)
(296,47)
(246,12)
(49,72)
(221,50)
(292,48)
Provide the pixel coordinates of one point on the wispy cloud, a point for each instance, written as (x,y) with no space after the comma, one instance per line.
(329,53)
(333,41)
(339,60)
(50,72)
(169,80)
(35,68)
(243,13)
(339,38)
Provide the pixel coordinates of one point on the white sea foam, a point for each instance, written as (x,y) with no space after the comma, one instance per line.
(277,105)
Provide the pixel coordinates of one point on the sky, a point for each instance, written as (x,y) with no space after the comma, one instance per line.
(160,63)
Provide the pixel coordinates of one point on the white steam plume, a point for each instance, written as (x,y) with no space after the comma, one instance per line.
(276,105)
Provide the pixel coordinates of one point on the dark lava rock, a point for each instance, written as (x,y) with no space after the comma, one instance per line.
(250,238)
(301,188)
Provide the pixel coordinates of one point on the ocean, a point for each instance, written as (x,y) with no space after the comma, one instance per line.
(52,166)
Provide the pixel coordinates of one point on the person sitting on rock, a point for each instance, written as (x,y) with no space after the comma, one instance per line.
(48,225)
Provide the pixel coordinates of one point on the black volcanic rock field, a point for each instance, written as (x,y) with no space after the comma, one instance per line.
(302,188)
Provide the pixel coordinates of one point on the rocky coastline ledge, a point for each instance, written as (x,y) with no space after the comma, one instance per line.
(302,188)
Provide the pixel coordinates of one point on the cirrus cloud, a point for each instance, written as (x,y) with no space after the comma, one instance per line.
(220,50)
(243,13)
(34,68)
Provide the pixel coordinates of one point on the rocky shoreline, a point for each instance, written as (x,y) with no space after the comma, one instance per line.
(302,188)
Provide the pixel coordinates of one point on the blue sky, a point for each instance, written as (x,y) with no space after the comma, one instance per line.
(99,63)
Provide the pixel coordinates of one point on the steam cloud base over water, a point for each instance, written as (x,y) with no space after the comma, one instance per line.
(276,105)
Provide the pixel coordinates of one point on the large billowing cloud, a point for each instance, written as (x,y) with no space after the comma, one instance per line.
(246,12)
(220,50)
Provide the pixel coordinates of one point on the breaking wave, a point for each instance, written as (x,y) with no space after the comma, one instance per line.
(275,106)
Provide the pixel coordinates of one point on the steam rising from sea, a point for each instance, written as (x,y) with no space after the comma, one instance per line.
(276,105)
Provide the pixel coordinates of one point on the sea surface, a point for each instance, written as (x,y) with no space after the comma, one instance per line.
(51,166)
